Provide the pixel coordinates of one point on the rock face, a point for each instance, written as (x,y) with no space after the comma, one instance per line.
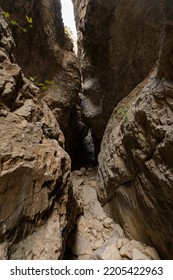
(47,55)
(118,43)
(37,206)
(135,171)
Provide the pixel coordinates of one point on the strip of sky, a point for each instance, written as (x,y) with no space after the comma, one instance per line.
(68,16)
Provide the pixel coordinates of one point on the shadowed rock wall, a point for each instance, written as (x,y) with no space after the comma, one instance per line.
(118,43)
(46,53)
(37,205)
(135,163)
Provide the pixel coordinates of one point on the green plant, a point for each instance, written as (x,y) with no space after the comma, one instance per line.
(69,33)
(43,85)
(29,22)
(121,112)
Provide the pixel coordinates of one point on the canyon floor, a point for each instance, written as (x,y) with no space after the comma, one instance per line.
(96,235)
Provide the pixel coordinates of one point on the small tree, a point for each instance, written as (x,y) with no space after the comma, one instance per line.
(69,33)
(10,21)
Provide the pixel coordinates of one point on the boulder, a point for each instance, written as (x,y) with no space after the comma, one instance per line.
(138,255)
(108,251)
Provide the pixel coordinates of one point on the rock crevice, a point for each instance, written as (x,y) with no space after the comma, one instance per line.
(120,210)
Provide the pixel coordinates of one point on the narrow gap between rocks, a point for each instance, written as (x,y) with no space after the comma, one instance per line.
(95,234)
(84,155)
(94,226)
(69,21)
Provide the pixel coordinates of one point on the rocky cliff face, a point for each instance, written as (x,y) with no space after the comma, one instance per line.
(118,43)
(37,206)
(135,172)
(46,53)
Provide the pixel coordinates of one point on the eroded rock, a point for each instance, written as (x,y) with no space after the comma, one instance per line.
(136,155)
(96,236)
(118,43)
(137,255)
(43,53)
(37,205)
(108,251)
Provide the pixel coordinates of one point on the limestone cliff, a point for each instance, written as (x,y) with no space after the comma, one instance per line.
(37,206)
(45,53)
(118,43)
(135,171)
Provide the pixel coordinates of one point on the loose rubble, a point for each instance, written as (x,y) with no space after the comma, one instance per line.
(97,236)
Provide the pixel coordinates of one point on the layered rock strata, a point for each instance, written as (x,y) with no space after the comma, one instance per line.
(37,206)
(135,171)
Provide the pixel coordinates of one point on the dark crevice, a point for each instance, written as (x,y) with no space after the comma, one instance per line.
(57,190)
(26,226)
(85,153)
(85,150)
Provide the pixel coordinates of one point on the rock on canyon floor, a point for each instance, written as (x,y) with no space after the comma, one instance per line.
(96,235)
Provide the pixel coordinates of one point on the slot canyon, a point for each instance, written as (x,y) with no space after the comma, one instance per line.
(86,160)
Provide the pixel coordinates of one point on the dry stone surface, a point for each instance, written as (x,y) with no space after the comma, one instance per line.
(136,159)
(41,202)
(37,205)
(45,53)
(118,44)
(96,235)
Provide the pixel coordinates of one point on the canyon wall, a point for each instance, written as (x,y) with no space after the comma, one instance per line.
(37,205)
(118,44)
(125,58)
(135,163)
(44,52)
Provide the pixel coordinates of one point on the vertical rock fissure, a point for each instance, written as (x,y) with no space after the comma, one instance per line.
(46,189)
(69,21)
(84,154)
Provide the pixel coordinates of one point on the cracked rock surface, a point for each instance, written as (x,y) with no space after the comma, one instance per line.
(119,42)
(37,206)
(136,159)
(44,52)
(96,235)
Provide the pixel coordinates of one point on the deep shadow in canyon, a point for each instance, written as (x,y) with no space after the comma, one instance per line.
(86,140)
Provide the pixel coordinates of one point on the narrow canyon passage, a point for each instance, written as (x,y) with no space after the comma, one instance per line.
(95,234)
(86,135)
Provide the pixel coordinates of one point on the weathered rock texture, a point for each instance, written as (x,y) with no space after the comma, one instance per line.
(37,206)
(96,235)
(46,53)
(118,44)
(136,157)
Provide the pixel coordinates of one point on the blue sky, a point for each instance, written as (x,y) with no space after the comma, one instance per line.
(68,16)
